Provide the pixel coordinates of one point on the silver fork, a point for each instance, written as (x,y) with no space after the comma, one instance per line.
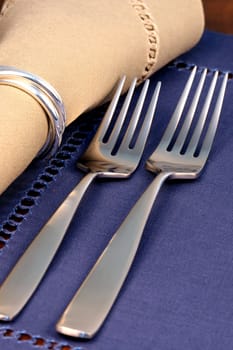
(99,161)
(93,301)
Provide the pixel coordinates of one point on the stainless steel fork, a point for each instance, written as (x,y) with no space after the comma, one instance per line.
(99,161)
(91,304)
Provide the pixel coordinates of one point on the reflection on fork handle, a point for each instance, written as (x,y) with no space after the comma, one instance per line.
(31,267)
(92,302)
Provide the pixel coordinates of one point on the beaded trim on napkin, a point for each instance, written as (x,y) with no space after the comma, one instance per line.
(145,17)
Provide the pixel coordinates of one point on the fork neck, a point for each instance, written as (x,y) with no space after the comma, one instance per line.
(156,185)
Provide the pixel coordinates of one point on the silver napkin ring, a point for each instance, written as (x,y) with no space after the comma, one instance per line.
(47,97)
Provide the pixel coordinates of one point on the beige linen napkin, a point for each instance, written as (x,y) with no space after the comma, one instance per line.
(81,47)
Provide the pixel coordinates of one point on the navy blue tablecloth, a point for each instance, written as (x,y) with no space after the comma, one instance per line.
(179,293)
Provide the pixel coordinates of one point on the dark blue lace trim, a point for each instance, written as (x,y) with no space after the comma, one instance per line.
(181,65)
(35,340)
(84,127)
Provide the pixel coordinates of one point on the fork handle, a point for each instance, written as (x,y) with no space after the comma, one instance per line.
(94,299)
(19,286)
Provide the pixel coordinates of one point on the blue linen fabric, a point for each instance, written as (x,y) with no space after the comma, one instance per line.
(179,293)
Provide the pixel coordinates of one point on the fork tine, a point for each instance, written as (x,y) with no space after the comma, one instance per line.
(169,132)
(142,137)
(122,115)
(209,137)
(203,115)
(189,118)
(111,109)
(135,117)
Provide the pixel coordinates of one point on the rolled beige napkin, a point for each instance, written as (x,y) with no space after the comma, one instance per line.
(82,48)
